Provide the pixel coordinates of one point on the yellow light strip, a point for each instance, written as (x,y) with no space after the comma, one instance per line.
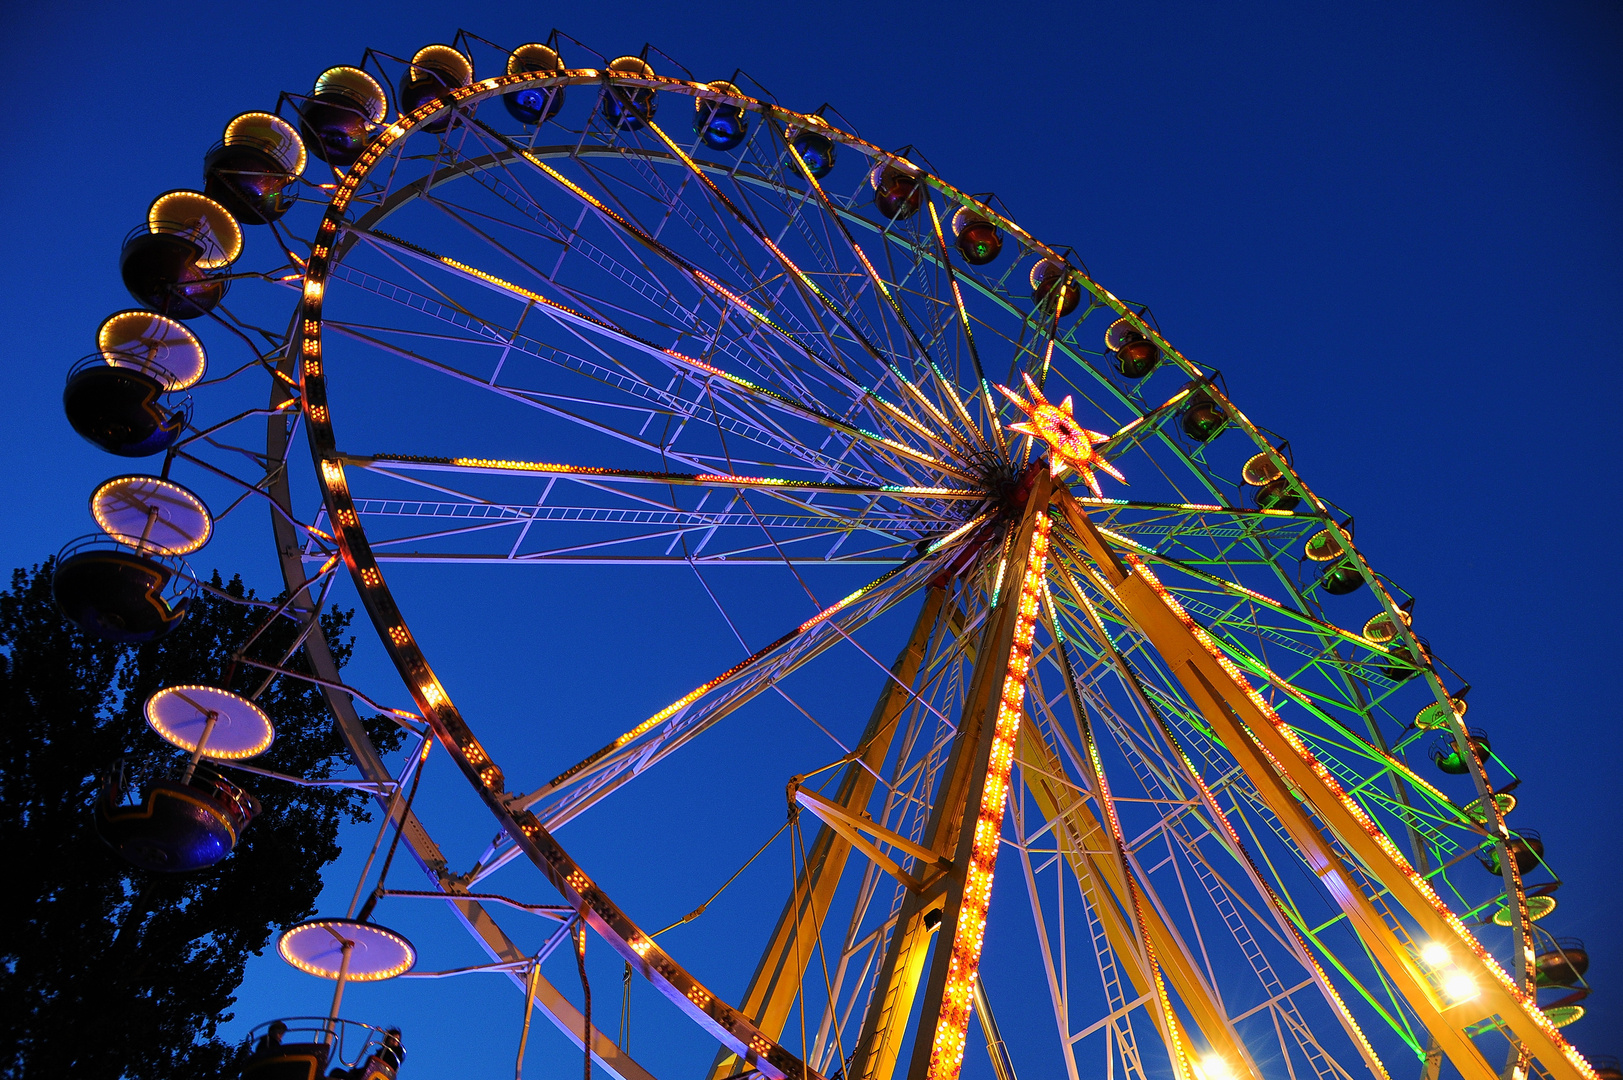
(957,999)
(642,475)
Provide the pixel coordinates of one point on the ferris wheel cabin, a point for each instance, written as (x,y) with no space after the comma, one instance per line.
(338,118)
(119,398)
(897,193)
(1135,355)
(815,149)
(1048,278)
(305,1047)
(167,263)
(434,71)
(1526,848)
(120,408)
(1448,758)
(534,105)
(174,825)
(1565,965)
(979,241)
(249,169)
(718,125)
(629,108)
(119,595)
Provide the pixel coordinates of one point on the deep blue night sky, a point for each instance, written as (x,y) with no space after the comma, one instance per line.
(1394,227)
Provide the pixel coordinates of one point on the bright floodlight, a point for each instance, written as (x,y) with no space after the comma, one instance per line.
(1459,986)
(1434,953)
(1215,1067)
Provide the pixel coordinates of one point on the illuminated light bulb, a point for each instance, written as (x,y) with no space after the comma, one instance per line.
(1459,986)
(1434,953)
(1215,1067)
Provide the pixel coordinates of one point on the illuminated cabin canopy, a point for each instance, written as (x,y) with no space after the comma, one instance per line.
(236,728)
(198,218)
(440,64)
(151,514)
(1380,628)
(434,70)
(158,346)
(355,86)
(1435,715)
(317,948)
(1537,908)
(270,133)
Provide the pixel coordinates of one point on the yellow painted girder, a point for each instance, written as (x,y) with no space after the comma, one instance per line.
(1282,768)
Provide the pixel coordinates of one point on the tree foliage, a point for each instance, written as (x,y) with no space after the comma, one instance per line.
(107,971)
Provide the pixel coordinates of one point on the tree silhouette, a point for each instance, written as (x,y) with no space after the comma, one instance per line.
(107,971)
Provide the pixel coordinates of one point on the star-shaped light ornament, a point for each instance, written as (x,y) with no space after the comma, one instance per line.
(1070,444)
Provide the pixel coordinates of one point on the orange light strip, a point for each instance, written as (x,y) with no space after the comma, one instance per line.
(1527,1001)
(957,1000)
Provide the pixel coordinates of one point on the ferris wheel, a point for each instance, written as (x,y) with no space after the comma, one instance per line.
(539,308)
